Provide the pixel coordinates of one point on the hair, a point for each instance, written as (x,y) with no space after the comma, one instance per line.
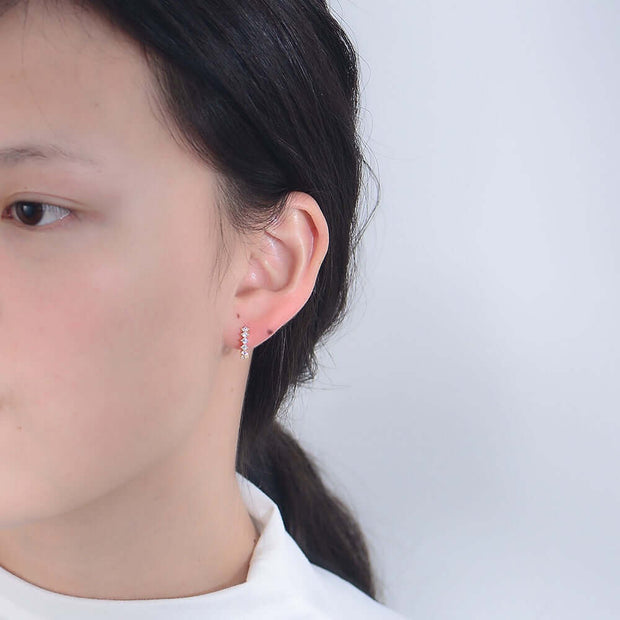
(267,93)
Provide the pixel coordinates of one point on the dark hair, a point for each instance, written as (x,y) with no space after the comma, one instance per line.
(267,92)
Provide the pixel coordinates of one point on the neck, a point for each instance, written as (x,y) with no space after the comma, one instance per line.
(178,529)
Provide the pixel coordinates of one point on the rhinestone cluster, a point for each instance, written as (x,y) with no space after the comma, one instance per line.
(244,343)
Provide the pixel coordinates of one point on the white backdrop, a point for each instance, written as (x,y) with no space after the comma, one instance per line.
(469,408)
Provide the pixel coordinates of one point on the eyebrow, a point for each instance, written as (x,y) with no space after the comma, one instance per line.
(12,155)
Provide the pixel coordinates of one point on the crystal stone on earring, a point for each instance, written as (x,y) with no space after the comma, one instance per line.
(244,340)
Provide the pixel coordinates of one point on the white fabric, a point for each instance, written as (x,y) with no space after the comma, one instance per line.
(281,583)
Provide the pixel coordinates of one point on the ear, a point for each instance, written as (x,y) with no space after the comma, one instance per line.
(281,271)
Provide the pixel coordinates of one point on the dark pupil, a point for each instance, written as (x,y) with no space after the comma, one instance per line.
(29,212)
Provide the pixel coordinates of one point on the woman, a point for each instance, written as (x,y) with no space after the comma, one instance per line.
(179,186)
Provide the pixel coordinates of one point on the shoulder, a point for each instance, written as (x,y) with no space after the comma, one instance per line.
(343,600)
(284,584)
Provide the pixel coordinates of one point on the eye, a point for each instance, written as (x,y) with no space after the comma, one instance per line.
(31,213)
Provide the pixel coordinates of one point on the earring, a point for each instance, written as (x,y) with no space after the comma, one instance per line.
(244,342)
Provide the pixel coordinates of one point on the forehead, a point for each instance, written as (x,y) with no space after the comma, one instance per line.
(68,77)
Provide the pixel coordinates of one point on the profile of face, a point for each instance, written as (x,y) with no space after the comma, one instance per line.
(118,339)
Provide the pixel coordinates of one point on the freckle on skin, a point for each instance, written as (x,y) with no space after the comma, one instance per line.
(269,332)
(238,316)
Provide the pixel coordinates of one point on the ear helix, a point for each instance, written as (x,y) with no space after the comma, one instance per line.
(244,342)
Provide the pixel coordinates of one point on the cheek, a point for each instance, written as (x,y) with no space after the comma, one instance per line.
(106,371)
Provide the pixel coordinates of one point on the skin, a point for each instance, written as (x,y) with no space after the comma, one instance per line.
(121,383)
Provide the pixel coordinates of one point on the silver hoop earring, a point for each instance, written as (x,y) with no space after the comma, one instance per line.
(244,342)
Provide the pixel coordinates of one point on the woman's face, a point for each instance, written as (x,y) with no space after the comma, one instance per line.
(110,330)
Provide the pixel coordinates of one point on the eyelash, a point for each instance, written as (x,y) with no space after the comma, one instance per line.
(52,207)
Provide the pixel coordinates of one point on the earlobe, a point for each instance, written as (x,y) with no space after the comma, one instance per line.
(281,269)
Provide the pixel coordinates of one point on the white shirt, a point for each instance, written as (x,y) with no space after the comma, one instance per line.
(281,583)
